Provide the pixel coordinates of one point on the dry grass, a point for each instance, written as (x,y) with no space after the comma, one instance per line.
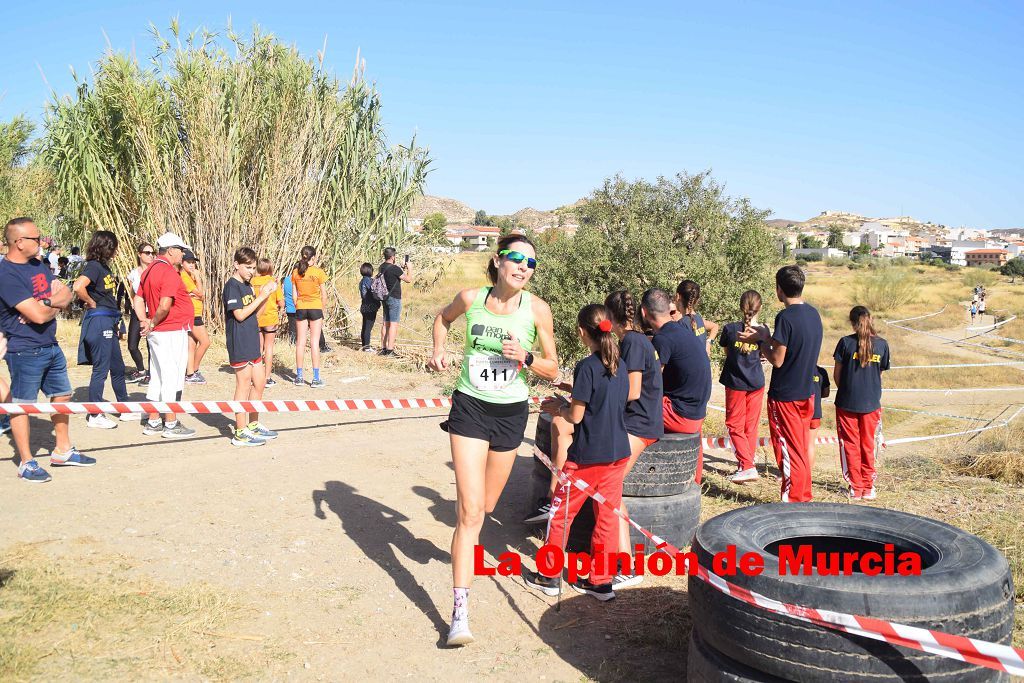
(94,620)
(995,454)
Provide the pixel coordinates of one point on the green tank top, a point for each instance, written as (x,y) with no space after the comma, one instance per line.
(486,374)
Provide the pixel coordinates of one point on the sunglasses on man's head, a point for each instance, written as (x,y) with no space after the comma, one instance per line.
(517,257)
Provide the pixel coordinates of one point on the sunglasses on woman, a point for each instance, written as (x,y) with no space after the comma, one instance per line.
(147,252)
(517,258)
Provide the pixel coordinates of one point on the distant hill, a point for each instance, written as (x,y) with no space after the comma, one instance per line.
(454,210)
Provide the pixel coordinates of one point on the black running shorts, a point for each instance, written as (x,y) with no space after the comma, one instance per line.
(500,425)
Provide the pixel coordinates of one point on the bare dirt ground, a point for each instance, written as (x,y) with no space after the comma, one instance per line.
(324,555)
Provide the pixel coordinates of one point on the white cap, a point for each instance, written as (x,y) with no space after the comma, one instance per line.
(169,239)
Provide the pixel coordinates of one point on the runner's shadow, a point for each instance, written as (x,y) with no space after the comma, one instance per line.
(378,531)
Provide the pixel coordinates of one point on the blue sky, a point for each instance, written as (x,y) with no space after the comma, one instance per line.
(869,107)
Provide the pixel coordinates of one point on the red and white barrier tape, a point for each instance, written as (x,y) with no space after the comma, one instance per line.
(726,442)
(971,650)
(207,407)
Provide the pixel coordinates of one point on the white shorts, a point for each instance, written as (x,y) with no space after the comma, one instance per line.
(168,362)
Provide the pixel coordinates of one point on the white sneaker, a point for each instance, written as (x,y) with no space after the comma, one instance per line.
(100,421)
(740,476)
(459,633)
(627,580)
(130,417)
(870,495)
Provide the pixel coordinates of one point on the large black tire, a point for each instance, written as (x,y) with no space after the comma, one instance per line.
(964,588)
(705,664)
(673,518)
(665,468)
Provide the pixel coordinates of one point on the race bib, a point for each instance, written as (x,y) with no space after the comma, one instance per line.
(492,373)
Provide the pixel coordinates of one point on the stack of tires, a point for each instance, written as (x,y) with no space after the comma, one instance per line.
(964,588)
(659,492)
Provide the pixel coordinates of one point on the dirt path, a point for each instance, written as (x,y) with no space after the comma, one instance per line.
(336,538)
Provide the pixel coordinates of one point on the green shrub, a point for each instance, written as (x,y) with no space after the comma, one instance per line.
(886,289)
(637,235)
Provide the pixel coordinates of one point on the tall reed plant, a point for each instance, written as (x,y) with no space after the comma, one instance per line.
(232,141)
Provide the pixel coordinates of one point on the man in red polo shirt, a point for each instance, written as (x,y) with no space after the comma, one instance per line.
(162,293)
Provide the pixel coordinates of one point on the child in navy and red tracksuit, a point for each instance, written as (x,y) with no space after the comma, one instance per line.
(743,379)
(861,358)
(598,454)
(687,299)
(792,349)
(685,370)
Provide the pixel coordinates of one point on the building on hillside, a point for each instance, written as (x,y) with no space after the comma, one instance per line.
(786,242)
(986,257)
(823,253)
(939,251)
(1014,248)
(959,249)
(852,239)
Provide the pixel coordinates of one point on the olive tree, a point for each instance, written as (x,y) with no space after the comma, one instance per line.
(640,234)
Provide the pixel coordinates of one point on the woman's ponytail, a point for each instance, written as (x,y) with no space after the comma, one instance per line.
(750,306)
(595,320)
(689,296)
(305,255)
(622,308)
(860,318)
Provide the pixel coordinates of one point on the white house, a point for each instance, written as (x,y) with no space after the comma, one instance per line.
(822,253)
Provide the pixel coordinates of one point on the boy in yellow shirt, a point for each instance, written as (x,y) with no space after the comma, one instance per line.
(269,315)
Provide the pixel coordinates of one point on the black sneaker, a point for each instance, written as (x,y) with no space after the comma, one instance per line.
(547,585)
(602,592)
(542,514)
(144,382)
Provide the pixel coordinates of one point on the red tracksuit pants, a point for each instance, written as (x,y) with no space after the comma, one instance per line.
(683,425)
(742,415)
(789,423)
(605,479)
(858,442)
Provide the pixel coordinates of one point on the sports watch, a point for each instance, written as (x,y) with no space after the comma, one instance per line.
(528,361)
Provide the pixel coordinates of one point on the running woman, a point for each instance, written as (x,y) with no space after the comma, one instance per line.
(100,342)
(686,371)
(243,341)
(792,349)
(146,253)
(686,301)
(269,316)
(599,452)
(644,419)
(489,406)
(861,358)
(743,379)
(310,294)
(198,337)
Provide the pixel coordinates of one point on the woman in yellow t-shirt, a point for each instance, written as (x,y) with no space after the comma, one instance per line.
(198,338)
(269,315)
(310,295)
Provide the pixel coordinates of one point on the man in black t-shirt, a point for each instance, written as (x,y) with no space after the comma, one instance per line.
(394,275)
(792,349)
(686,370)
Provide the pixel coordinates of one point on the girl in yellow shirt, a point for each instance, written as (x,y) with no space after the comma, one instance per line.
(198,337)
(269,315)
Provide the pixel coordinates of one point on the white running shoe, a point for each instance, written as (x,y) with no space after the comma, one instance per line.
(459,633)
(626,580)
(870,495)
(100,421)
(130,417)
(741,476)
